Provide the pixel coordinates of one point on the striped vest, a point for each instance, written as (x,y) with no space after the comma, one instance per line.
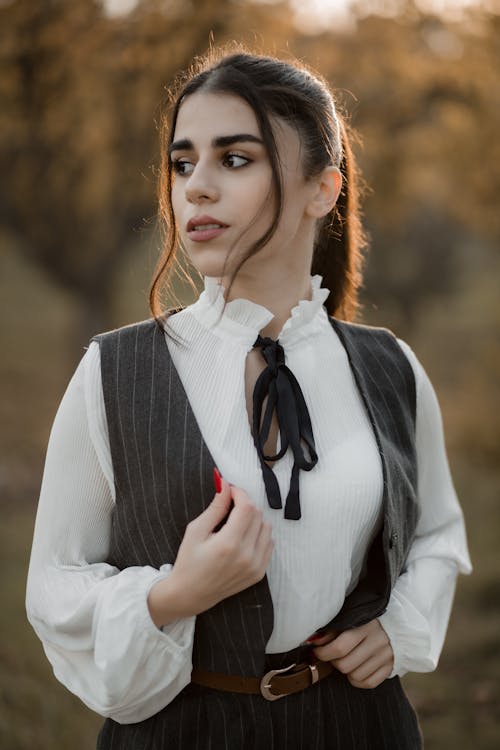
(164,478)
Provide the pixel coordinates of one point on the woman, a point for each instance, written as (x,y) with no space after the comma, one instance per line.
(281,611)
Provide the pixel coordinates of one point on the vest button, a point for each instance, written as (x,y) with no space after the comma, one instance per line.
(394,538)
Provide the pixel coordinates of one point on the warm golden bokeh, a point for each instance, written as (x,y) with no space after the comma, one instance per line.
(80,94)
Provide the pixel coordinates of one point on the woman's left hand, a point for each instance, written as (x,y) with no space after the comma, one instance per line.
(363,654)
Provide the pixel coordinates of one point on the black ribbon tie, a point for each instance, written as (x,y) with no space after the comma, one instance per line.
(284,395)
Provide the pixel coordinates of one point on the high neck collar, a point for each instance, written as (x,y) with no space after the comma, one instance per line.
(243,319)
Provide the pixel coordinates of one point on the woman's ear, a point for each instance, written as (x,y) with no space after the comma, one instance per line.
(327,189)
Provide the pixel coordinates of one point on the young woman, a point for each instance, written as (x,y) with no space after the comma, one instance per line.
(281,611)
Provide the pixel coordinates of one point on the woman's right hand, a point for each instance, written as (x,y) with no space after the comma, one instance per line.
(211,566)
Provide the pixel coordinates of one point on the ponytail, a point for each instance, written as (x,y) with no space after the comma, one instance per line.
(338,253)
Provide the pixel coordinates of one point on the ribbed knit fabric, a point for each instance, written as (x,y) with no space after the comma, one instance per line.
(341,492)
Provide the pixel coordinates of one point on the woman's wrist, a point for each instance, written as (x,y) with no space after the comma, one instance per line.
(167,601)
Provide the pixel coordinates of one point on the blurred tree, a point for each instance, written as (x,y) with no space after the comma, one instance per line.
(425,98)
(77,140)
(77,136)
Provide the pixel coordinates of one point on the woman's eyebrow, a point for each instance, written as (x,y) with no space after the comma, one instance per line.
(228,140)
(220,142)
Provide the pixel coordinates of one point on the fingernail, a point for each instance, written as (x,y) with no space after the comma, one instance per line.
(217,480)
(313,638)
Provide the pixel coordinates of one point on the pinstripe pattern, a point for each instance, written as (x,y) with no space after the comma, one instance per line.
(331,715)
(163,477)
(386,383)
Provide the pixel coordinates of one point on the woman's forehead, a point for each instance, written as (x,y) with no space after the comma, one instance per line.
(207,114)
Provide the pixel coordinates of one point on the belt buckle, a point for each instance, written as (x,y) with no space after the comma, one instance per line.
(265,683)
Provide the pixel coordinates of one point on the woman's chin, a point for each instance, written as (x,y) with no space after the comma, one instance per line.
(210,262)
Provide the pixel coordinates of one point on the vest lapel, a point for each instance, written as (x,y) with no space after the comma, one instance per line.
(164,478)
(386,383)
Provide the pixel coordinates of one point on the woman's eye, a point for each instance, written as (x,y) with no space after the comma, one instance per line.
(182,166)
(235,161)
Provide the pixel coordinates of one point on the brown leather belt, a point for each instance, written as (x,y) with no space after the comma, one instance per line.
(275,684)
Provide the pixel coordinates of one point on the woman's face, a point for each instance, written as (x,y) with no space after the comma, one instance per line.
(222,187)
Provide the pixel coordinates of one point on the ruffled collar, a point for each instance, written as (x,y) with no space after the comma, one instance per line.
(243,319)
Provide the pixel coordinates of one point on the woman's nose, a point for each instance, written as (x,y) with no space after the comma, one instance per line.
(200,186)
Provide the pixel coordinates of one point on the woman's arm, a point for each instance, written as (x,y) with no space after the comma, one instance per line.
(94,620)
(97,624)
(415,622)
(418,612)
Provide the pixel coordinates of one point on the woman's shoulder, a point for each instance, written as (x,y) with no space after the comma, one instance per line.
(377,339)
(131,330)
(361,329)
(147,328)
(375,334)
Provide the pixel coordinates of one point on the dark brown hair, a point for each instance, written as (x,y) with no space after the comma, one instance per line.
(277,88)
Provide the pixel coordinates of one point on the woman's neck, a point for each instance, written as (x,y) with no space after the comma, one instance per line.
(279,293)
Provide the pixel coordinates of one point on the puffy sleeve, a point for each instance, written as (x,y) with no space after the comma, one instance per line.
(417,615)
(93,619)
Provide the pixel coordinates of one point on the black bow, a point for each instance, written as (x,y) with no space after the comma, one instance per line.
(283,392)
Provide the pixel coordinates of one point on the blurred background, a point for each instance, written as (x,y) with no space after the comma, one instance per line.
(81,85)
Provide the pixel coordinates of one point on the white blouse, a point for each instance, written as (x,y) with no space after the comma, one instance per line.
(93,619)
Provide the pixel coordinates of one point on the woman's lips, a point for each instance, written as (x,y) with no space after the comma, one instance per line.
(203,228)
(202,234)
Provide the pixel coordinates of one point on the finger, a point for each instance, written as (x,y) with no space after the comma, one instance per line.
(317,639)
(340,646)
(365,664)
(214,512)
(258,555)
(373,681)
(378,661)
(353,659)
(253,533)
(374,644)
(243,515)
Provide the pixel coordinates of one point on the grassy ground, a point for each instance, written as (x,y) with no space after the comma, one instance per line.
(459,704)
(36,711)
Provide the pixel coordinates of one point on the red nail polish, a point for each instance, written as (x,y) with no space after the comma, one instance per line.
(314,637)
(217,480)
